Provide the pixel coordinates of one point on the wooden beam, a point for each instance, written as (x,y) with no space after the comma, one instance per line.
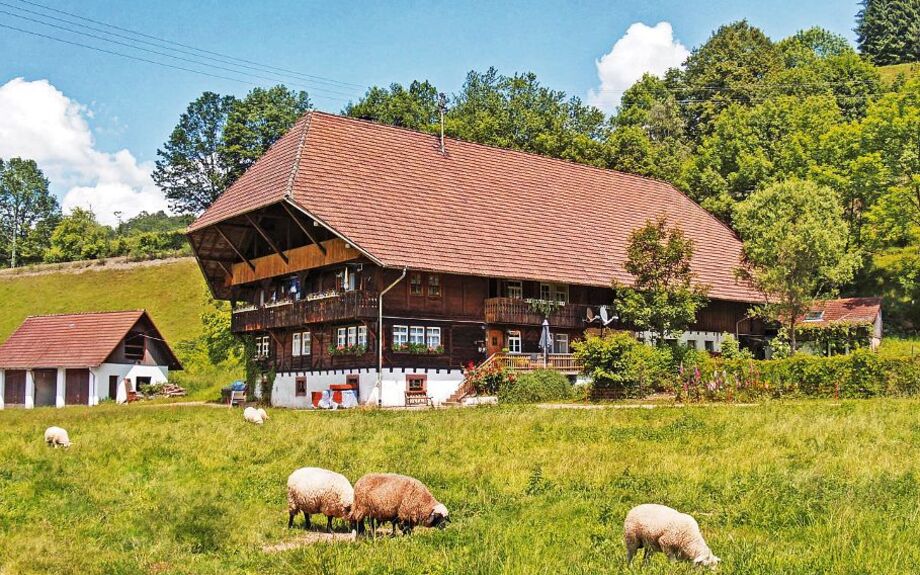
(234,248)
(301,258)
(302,227)
(266,237)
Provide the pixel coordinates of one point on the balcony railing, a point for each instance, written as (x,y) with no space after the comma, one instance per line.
(359,304)
(524,362)
(506,310)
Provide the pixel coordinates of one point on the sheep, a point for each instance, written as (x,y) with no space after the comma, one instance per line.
(659,528)
(313,490)
(57,437)
(383,497)
(253,415)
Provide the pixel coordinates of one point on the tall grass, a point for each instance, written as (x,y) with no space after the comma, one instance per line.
(785,487)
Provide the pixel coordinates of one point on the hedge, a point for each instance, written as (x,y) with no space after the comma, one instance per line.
(861,374)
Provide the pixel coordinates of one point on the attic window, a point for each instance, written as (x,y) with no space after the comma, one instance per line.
(814,316)
(134,345)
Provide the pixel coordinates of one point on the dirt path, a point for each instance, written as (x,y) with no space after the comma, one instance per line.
(310,538)
(636,405)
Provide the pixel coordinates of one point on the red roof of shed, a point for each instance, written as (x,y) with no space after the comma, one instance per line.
(70,341)
(857,310)
(475,210)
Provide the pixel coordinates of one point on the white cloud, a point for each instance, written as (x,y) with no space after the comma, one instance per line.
(40,123)
(642,49)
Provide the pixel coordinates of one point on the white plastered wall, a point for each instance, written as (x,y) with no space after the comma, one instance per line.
(441,384)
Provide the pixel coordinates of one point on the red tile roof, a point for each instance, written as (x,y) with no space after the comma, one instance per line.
(70,341)
(476,210)
(860,310)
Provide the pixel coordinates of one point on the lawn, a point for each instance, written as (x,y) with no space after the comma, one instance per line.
(797,487)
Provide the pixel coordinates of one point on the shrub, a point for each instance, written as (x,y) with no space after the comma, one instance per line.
(535,387)
(489,378)
(620,365)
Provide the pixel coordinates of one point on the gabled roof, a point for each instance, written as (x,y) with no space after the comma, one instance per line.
(73,340)
(855,310)
(475,210)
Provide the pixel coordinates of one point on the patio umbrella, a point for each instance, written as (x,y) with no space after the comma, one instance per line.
(546,340)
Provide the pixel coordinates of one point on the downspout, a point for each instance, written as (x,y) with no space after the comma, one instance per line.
(380,336)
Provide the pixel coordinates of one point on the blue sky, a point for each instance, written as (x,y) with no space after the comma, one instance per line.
(132,106)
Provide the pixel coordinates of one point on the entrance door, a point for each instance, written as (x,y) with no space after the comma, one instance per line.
(113,386)
(77,387)
(495,341)
(15,390)
(45,387)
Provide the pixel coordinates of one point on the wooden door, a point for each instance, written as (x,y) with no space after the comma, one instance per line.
(113,386)
(77,387)
(15,391)
(495,341)
(45,381)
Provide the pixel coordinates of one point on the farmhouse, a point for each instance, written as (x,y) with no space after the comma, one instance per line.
(78,359)
(352,249)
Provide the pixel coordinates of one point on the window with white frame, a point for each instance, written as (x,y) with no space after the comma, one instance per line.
(514,342)
(306,343)
(263,349)
(352,336)
(342,337)
(514,289)
(433,337)
(417,335)
(562,343)
(295,346)
(400,335)
(362,335)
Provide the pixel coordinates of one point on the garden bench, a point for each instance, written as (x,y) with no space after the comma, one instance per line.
(418,398)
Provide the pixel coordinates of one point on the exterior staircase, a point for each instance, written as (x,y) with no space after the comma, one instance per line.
(564,363)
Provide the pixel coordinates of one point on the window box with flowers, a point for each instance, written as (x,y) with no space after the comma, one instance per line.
(417,348)
(357,349)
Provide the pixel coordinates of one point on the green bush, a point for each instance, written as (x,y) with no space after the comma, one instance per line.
(535,387)
(619,365)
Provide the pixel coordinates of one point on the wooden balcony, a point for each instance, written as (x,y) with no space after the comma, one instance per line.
(524,362)
(505,310)
(352,305)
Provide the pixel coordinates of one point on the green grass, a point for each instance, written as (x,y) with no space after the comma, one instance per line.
(173,292)
(793,488)
(890,73)
(899,347)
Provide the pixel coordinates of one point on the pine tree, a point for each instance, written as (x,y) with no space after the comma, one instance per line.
(888,31)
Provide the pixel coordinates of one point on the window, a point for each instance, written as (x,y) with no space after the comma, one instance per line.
(352,380)
(416,383)
(514,290)
(434,285)
(306,343)
(295,345)
(562,343)
(710,346)
(300,387)
(417,335)
(345,279)
(433,337)
(262,346)
(554,292)
(814,316)
(352,336)
(514,342)
(342,337)
(692,344)
(134,345)
(415,284)
(362,335)
(400,336)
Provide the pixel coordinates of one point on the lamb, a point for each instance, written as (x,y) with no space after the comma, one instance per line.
(400,499)
(253,415)
(313,490)
(57,437)
(659,528)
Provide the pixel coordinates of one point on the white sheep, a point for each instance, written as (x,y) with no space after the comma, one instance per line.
(57,437)
(253,415)
(659,528)
(314,490)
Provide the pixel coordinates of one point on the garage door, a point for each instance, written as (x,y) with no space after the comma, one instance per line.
(77,387)
(15,391)
(45,381)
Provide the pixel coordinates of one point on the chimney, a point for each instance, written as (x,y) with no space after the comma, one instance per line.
(442,108)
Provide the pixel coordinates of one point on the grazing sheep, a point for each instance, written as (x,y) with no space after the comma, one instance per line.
(383,497)
(660,528)
(253,415)
(57,437)
(313,490)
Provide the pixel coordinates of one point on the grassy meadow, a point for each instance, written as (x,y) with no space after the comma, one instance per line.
(784,487)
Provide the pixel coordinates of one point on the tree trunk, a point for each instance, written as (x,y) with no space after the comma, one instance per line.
(792,344)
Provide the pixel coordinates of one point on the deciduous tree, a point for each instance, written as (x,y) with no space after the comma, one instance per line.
(27,210)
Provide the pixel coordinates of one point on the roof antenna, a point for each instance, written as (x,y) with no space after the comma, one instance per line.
(442,107)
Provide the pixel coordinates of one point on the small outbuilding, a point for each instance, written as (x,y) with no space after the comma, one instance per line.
(80,359)
(861,318)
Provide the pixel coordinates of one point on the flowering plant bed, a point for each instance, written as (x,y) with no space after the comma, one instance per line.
(359,349)
(417,348)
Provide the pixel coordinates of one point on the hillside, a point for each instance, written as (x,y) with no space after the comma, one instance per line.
(890,73)
(173,291)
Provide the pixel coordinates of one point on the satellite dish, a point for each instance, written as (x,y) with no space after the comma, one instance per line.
(604,317)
